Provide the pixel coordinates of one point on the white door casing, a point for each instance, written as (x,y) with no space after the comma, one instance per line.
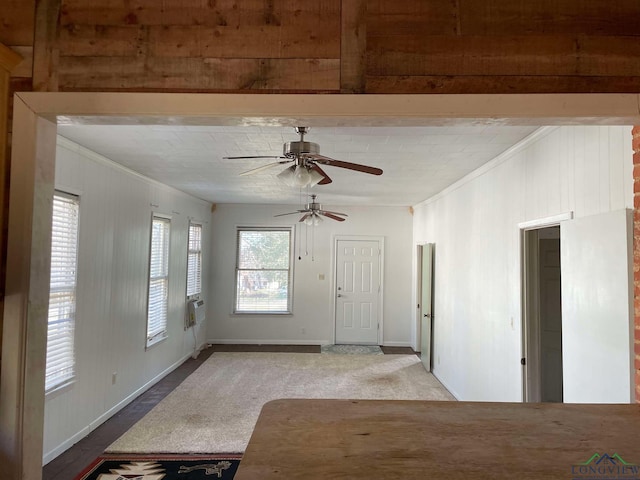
(357,291)
(426,314)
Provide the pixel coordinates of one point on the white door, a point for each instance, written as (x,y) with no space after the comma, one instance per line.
(357,291)
(426,282)
(597,308)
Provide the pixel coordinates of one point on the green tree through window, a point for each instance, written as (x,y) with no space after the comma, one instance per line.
(263,271)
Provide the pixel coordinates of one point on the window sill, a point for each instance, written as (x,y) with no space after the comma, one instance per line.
(59,388)
(156,340)
(262,313)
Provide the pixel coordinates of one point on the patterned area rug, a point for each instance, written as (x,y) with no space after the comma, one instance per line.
(352,349)
(162,467)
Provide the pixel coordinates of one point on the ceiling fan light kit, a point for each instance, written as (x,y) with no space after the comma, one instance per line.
(313,220)
(306,159)
(313,213)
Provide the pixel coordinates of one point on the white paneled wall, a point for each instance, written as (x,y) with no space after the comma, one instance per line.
(115,220)
(474,225)
(312,319)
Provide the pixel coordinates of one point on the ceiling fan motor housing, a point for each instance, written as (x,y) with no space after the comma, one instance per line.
(295,149)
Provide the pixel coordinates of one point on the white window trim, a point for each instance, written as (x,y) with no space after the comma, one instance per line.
(196,295)
(163,335)
(69,379)
(291,231)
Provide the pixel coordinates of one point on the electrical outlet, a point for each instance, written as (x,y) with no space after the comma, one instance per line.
(114,378)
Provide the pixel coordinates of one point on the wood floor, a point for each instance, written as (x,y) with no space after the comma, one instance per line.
(69,464)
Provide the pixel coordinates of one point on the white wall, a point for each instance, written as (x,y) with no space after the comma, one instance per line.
(115,220)
(312,302)
(474,225)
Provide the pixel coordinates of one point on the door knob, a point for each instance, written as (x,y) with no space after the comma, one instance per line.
(428,315)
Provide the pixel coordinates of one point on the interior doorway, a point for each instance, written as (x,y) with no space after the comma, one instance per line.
(542,360)
(425,307)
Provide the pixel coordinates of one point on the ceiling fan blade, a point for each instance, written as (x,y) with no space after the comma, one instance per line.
(304,217)
(290,213)
(263,167)
(261,156)
(333,213)
(326,180)
(348,165)
(332,216)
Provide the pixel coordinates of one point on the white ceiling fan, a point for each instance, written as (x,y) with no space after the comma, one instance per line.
(306,160)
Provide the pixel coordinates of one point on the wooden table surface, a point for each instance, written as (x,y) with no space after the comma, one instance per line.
(380,439)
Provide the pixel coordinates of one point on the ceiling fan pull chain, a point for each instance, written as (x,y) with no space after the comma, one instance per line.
(313,237)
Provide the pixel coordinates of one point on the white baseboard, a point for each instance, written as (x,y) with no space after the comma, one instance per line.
(69,442)
(398,344)
(244,341)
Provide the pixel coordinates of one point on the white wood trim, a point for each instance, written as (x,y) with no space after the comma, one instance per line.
(332,283)
(273,341)
(536,224)
(21,422)
(48,456)
(491,164)
(546,221)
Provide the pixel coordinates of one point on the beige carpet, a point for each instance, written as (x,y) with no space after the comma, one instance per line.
(215,409)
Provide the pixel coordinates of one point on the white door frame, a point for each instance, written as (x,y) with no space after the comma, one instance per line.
(420,304)
(332,284)
(525,227)
(33,141)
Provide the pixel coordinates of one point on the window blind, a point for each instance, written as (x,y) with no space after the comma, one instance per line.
(60,363)
(158,280)
(263,270)
(194,260)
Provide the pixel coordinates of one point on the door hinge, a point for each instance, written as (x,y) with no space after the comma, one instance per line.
(523,361)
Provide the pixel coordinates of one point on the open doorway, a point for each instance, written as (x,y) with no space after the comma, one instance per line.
(542,335)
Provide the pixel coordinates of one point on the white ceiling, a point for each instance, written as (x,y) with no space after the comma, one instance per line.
(418,162)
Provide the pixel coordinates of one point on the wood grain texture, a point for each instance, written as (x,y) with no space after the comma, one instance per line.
(434,17)
(308,40)
(45,46)
(353,45)
(421,54)
(232,13)
(202,74)
(364,439)
(16,22)
(214,45)
(102,40)
(570,17)
(450,84)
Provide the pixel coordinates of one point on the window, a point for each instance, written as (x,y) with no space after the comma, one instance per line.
(194,260)
(158,280)
(263,270)
(60,367)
